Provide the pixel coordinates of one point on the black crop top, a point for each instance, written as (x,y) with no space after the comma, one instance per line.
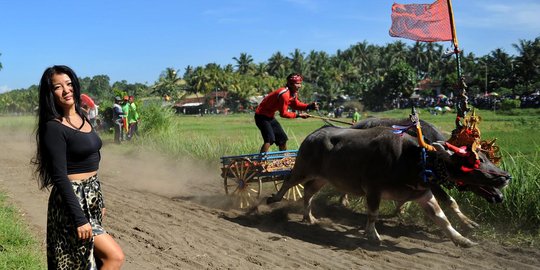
(71,151)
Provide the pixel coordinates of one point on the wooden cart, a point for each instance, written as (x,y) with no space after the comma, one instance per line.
(244,175)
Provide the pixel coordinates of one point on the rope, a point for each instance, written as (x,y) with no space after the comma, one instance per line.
(325,119)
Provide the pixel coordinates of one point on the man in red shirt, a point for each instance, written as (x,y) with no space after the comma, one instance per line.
(280,100)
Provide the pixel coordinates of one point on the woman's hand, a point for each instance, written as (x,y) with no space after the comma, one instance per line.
(103,211)
(85,231)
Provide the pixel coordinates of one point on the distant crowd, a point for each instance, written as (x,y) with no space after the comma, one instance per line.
(482,102)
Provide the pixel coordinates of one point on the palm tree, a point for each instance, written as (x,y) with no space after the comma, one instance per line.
(228,68)
(318,63)
(297,61)
(169,83)
(500,68)
(433,54)
(278,65)
(394,53)
(363,52)
(418,58)
(261,70)
(188,72)
(528,61)
(244,63)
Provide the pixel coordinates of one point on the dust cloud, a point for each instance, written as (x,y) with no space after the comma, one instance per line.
(148,171)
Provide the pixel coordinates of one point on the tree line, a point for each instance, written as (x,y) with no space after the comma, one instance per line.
(375,75)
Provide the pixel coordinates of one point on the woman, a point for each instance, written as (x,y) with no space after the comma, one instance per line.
(67,159)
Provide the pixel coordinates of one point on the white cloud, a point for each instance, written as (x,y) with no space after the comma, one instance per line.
(504,16)
(4,88)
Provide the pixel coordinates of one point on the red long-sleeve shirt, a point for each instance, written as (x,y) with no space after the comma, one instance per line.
(280,100)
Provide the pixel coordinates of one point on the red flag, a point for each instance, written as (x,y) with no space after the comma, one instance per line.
(422,22)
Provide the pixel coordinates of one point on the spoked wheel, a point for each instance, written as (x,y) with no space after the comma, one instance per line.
(239,182)
(293,194)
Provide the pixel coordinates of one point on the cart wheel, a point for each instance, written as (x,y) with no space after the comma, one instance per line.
(239,182)
(295,193)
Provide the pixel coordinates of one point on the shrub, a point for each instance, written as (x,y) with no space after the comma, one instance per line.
(156,118)
(509,104)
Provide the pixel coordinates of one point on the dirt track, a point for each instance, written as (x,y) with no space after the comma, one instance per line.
(169,215)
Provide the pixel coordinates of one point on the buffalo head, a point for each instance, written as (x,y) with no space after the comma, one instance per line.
(470,171)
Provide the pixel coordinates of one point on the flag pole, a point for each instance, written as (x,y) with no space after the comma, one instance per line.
(452,24)
(461,94)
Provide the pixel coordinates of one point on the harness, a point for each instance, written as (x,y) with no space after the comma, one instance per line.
(434,171)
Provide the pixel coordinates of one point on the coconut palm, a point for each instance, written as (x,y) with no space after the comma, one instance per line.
(318,63)
(244,63)
(169,83)
(528,61)
(359,55)
(261,70)
(297,61)
(500,69)
(229,68)
(278,65)
(418,58)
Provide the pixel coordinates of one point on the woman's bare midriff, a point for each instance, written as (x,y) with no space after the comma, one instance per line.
(81,176)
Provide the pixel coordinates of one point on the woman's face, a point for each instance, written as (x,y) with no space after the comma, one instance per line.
(63,90)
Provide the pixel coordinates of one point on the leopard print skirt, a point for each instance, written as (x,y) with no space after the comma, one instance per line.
(64,249)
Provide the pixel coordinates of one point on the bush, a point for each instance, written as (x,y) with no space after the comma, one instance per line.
(509,104)
(156,118)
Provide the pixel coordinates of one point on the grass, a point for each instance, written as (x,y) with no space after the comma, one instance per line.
(18,248)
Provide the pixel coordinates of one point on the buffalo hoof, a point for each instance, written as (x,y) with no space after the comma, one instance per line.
(309,219)
(344,200)
(373,237)
(400,209)
(271,200)
(374,242)
(470,224)
(464,242)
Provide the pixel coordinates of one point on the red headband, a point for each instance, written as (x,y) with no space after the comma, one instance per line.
(296,79)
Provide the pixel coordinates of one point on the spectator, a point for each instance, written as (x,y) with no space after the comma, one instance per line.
(356,116)
(118,120)
(133,118)
(67,159)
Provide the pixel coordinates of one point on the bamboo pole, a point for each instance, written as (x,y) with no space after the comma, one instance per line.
(462,106)
(452,24)
(330,119)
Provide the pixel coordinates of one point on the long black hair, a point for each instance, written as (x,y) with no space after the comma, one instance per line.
(48,110)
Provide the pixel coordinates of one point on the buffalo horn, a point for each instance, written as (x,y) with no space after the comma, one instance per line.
(460,151)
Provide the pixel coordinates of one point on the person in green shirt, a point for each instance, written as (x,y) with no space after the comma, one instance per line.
(125,110)
(133,118)
(356,116)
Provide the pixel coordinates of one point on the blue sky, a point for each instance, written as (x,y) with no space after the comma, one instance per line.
(136,40)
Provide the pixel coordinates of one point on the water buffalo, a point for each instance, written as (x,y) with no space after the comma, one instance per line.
(431,134)
(378,164)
